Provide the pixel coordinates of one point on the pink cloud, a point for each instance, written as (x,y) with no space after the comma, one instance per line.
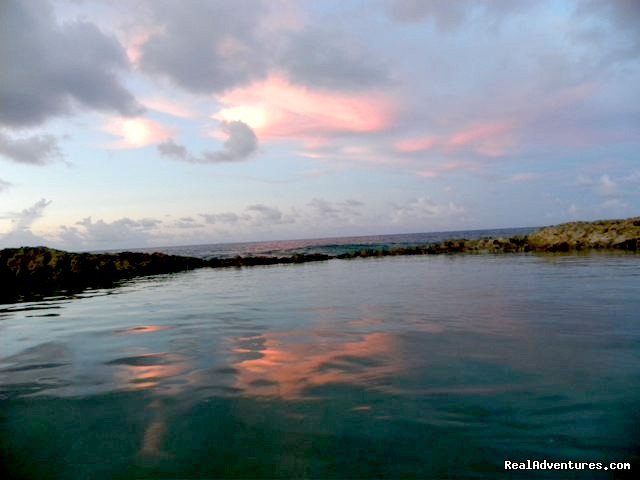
(429,173)
(136,132)
(489,139)
(349,152)
(134,48)
(135,38)
(492,139)
(276,109)
(312,154)
(451,166)
(413,145)
(315,143)
(169,107)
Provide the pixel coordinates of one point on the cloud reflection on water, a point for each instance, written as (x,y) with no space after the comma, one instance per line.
(152,371)
(290,364)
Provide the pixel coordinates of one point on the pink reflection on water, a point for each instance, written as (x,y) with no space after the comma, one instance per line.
(290,364)
(162,371)
(143,329)
(166,374)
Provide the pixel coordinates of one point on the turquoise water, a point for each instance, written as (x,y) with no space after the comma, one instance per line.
(397,367)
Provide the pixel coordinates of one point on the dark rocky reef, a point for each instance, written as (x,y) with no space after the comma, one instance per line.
(30,272)
(483,245)
(250,261)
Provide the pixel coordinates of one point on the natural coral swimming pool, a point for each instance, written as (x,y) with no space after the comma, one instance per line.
(396,367)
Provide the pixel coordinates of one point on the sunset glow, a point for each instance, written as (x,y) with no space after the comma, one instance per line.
(259,120)
(277,109)
(136,132)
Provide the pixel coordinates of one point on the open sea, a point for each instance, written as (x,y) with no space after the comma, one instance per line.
(439,366)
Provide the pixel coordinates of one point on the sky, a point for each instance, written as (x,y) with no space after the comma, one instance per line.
(162,122)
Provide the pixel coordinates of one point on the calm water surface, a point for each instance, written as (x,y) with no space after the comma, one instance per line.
(403,367)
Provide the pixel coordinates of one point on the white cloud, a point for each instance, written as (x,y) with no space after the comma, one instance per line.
(99,234)
(606,187)
(187,223)
(341,212)
(24,219)
(226,217)
(4,185)
(136,132)
(265,215)
(424,208)
(20,233)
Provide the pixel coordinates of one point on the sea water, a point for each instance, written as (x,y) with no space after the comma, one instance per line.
(396,367)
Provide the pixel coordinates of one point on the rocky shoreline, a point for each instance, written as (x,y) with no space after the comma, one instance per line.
(32,272)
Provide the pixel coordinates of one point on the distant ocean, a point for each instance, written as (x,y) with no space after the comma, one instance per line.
(330,246)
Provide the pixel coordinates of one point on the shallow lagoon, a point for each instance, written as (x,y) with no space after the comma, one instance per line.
(427,367)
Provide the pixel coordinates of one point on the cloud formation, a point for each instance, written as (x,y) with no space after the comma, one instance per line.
(20,232)
(34,150)
(4,185)
(169,107)
(241,143)
(136,132)
(188,223)
(211,47)
(121,233)
(206,47)
(267,215)
(26,217)
(256,215)
(484,139)
(607,187)
(226,217)
(279,109)
(448,15)
(330,60)
(610,187)
(616,24)
(342,212)
(48,68)
(424,208)
(445,14)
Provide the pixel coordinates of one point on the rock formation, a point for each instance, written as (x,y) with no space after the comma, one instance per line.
(614,234)
(31,272)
